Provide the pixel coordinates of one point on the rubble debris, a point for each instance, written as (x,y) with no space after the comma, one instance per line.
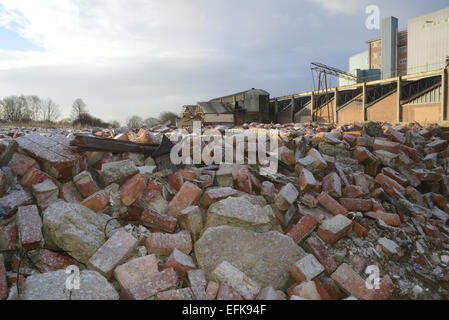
(360,195)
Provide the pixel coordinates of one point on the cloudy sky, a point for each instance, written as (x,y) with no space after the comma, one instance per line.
(125,57)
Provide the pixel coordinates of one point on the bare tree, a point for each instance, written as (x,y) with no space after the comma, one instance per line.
(134,122)
(168,116)
(35,105)
(78,109)
(150,122)
(50,111)
(15,109)
(115,124)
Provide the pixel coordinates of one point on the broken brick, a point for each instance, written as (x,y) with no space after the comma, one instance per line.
(164,243)
(319,249)
(96,202)
(112,253)
(216,194)
(29,225)
(153,284)
(335,228)
(303,228)
(350,281)
(187,196)
(132,189)
(286,197)
(356,204)
(154,219)
(85,184)
(331,204)
(180,262)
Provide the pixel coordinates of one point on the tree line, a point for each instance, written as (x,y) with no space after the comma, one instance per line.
(28,108)
(31,108)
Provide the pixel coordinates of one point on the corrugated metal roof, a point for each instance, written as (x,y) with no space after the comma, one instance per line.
(215,107)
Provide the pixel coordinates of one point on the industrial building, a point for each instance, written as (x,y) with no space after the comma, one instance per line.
(402,77)
(246,106)
(405,79)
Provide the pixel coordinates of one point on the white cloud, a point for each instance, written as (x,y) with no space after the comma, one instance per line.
(340,6)
(127,57)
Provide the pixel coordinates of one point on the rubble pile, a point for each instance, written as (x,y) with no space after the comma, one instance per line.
(358,211)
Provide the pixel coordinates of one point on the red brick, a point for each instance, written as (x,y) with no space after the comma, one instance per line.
(307,180)
(388,184)
(319,249)
(306,269)
(85,184)
(154,284)
(35,176)
(377,206)
(3,281)
(331,204)
(303,228)
(356,204)
(360,180)
(175,180)
(332,289)
(216,194)
(390,248)
(350,281)
(396,176)
(176,294)
(227,292)
(287,155)
(321,290)
(29,224)
(54,154)
(437,145)
(204,181)
(15,199)
(191,219)
(352,191)
(197,281)
(52,261)
(241,176)
(333,229)
(321,163)
(45,192)
(386,289)
(180,262)
(164,243)
(286,197)
(350,138)
(412,178)
(212,290)
(8,237)
(136,271)
(389,146)
(20,164)
(187,196)
(70,193)
(153,219)
(361,154)
(268,190)
(360,230)
(113,252)
(224,177)
(96,202)
(132,189)
(389,218)
(440,201)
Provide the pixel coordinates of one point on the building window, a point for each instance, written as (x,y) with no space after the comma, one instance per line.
(402,61)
